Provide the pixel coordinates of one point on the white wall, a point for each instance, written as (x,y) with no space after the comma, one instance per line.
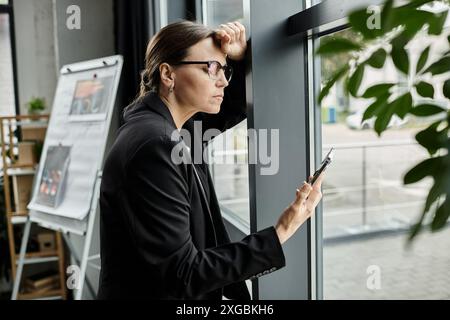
(36,68)
(7,101)
(45,44)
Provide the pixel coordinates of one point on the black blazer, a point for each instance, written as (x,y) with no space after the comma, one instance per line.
(158,239)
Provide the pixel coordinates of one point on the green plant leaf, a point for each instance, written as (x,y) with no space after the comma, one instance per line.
(436,24)
(425,89)
(409,16)
(436,190)
(355,80)
(446,89)
(423,59)
(426,110)
(377,59)
(441,215)
(337,45)
(416,3)
(339,74)
(377,90)
(387,16)
(402,105)
(425,168)
(383,119)
(440,66)
(432,139)
(375,108)
(416,228)
(358,21)
(412,19)
(399,55)
(416,21)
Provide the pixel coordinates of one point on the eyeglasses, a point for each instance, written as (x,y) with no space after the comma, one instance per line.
(214,68)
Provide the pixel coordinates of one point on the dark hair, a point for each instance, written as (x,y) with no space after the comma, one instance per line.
(170,45)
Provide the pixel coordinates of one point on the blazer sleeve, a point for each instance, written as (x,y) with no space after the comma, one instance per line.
(234,106)
(161,230)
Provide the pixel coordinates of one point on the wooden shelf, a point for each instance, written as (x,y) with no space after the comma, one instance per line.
(32,124)
(26,118)
(22,166)
(55,294)
(36,260)
(15,220)
(40,254)
(20,171)
(17,173)
(18,214)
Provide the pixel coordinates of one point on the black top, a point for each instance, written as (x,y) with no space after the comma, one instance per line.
(158,238)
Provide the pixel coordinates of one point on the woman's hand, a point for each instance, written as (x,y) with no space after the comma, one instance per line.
(232,40)
(299,210)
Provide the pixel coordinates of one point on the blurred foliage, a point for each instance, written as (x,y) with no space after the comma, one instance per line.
(400,22)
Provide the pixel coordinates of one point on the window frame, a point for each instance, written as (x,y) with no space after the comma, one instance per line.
(9,10)
(237,226)
(317,20)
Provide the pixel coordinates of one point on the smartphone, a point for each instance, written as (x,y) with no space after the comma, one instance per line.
(325,163)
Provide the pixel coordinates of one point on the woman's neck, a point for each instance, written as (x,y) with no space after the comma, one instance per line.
(179,113)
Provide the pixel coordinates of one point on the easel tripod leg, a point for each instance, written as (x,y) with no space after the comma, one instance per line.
(23,249)
(78,261)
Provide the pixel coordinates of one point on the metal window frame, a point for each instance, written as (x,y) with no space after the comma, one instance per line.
(9,9)
(235,225)
(312,23)
(324,13)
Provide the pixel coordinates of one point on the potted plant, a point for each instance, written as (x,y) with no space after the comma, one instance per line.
(36,106)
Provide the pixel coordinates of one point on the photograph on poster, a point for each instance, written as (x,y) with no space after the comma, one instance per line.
(90,99)
(54,176)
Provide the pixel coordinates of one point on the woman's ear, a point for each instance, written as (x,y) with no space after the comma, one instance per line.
(167,75)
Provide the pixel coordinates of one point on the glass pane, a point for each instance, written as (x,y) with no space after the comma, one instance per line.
(228,152)
(310,3)
(4,2)
(366,207)
(7,102)
(222,11)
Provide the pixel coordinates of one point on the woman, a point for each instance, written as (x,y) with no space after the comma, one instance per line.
(162,234)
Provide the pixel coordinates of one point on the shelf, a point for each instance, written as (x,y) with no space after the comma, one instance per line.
(18,220)
(36,260)
(41,254)
(20,175)
(16,165)
(18,214)
(20,171)
(52,294)
(31,124)
(43,122)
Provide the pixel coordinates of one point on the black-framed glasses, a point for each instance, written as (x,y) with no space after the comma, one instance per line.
(214,68)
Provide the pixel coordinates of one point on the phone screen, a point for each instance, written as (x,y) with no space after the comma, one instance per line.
(325,163)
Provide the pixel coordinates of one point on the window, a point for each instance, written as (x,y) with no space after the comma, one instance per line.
(228,152)
(366,208)
(216,12)
(7,99)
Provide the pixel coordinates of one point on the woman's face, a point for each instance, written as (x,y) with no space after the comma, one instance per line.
(193,86)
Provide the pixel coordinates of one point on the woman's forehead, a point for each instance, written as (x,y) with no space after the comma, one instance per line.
(206,50)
